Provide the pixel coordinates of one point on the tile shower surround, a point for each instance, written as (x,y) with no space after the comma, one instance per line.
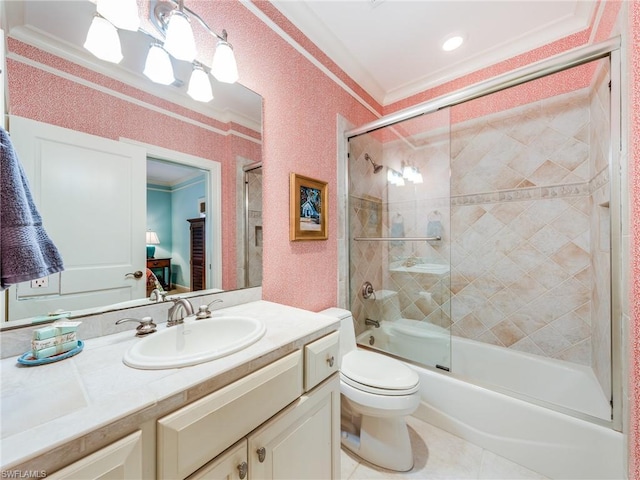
(527,185)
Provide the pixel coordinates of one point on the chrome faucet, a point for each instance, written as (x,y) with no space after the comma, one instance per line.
(174,315)
(157,296)
(371,322)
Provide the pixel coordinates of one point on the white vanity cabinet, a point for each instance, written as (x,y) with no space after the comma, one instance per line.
(120,460)
(302,442)
(288,433)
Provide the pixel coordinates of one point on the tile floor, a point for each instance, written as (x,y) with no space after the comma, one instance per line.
(439,455)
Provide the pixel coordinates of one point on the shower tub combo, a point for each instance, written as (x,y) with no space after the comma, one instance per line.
(488,259)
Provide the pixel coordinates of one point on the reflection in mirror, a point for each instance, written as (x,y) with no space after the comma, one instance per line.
(176,216)
(108,126)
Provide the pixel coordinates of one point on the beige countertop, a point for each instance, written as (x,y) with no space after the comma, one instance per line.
(65,408)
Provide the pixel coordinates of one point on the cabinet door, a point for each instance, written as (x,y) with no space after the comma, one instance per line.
(301,442)
(198,254)
(193,435)
(122,460)
(230,465)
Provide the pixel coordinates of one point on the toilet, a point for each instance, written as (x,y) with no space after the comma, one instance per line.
(377,393)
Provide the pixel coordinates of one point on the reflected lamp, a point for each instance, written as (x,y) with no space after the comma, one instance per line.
(152,241)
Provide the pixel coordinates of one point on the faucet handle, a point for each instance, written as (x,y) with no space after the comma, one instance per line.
(204,311)
(145,328)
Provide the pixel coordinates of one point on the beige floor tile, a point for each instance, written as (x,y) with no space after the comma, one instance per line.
(439,455)
(495,467)
(348,464)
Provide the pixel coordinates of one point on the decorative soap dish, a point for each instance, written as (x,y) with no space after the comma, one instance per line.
(27,358)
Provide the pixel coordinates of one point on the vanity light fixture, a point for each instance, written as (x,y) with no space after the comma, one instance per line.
(394,177)
(223,67)
(199,85)
(103,41)
(179,41)
(411,173)
(173,22)
(158,66)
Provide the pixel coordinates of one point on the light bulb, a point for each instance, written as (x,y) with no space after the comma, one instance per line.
(121,13)
(103,40)
(179,41)
(158,66)
(224,67)
(200,86)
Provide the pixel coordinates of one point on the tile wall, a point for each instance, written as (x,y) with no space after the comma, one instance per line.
(528,222)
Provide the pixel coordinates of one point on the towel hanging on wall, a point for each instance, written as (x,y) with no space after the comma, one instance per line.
(26,251)
(434,225)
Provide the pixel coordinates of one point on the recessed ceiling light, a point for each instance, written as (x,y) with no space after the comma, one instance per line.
(452,42)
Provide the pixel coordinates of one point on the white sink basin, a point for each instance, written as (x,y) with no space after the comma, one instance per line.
(194,342)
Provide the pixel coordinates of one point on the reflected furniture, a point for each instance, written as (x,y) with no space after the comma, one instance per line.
(198,257)
(163,267)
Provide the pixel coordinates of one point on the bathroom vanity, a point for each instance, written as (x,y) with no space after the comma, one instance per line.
(269,411)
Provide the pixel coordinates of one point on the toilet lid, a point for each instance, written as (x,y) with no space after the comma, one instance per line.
(378,371)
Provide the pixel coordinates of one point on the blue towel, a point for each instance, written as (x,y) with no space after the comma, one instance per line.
(26,251)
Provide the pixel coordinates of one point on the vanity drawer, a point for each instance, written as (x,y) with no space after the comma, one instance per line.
(193,435)
(321,359)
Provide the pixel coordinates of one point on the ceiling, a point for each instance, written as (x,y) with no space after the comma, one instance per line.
(391,48)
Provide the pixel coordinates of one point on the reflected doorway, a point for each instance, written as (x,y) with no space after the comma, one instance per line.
(176,200)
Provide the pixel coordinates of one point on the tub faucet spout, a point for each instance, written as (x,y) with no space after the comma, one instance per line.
(369,321)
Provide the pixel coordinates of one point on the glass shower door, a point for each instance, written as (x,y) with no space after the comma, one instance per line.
(399,215)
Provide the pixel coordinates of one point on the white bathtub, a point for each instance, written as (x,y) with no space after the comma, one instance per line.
(556,445)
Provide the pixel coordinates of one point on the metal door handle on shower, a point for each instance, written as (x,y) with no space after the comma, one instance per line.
(397,239)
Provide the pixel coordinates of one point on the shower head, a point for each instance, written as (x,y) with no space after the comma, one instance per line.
(376,167)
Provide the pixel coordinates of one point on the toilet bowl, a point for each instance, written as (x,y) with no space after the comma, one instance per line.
(379,391)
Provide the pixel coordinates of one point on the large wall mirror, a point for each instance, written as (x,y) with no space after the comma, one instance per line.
(130,177)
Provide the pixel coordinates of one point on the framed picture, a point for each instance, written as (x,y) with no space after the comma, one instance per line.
(308,208)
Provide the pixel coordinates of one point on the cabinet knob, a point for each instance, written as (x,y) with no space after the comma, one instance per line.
(242,470)
(261,454)
(331,361)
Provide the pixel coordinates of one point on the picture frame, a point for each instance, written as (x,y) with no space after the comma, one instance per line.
(307,208)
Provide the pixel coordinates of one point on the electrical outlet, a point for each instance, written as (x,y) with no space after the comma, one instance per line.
(40,282)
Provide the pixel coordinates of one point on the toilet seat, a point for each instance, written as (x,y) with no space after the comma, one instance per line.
(375,373)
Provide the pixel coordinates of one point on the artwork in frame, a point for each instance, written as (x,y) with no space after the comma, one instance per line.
(308,208)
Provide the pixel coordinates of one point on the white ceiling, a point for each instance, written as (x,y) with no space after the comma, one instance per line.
(391,48)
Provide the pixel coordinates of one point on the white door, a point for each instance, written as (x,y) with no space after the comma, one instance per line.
(91,194)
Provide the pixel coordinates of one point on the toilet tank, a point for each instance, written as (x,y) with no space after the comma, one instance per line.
(347,331)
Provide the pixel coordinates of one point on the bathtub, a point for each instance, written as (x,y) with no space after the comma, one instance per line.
(557,445)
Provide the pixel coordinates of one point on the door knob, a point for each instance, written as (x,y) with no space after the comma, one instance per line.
(137,274)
